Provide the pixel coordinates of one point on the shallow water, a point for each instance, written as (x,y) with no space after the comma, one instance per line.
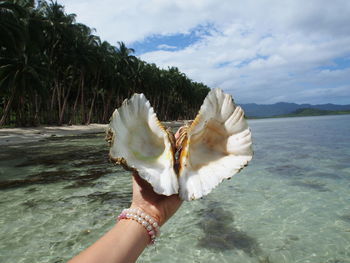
(291,204)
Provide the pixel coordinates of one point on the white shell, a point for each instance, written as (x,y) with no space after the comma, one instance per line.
(141,142)
(218,146)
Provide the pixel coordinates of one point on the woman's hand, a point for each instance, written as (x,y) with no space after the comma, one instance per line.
(160,207)
(127,239)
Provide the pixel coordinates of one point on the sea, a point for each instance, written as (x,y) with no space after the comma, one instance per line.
(291,204)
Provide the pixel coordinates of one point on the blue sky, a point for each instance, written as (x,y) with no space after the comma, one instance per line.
(259,51)
(158,42)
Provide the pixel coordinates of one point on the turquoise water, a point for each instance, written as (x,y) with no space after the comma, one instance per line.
(291,204)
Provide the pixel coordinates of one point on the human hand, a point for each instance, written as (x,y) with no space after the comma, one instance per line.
(160,207)
(127,239)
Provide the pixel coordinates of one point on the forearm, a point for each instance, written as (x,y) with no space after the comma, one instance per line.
(123,243)
(128,238)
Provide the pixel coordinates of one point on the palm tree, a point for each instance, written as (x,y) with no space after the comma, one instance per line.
(18,63)
(17,74)
(54,70)
(12,27)
(125,64)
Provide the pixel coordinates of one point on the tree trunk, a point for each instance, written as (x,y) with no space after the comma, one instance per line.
(74,107)
(8,107)
(156,104)
(36,115)
(106,107)
(58,90)
(53,98)
(91,107)
(82,100)
(60,122)
(105,115)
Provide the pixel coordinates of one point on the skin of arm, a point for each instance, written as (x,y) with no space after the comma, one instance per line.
(127,239)
(123,243)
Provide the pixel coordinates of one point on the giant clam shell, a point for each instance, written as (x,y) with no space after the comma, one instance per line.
(216,146)
(140,142)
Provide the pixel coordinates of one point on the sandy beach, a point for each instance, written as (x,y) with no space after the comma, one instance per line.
(10,136)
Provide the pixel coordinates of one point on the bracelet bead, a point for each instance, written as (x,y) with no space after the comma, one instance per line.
(142,218)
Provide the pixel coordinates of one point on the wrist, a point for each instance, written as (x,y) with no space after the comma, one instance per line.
(148,222)
(151,210)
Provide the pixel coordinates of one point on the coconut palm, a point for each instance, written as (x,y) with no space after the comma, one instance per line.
(54,70)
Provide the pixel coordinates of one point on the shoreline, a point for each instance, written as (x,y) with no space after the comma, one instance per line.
(12,136)
(15,136)
(19,135)
(294,116)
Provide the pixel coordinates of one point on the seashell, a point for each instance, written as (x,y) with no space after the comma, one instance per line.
(214,147)
(139,142)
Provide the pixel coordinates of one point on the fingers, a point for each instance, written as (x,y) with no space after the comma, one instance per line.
(178,132)
(143,189)
(177,201)
(140,183)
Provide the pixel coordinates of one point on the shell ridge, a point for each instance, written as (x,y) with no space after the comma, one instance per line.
(222,146)
(141,143)
(214,147)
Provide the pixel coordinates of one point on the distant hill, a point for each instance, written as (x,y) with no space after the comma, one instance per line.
(282,108)
(314,112)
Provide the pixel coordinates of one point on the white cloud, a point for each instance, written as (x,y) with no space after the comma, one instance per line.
(260,51)
(165,46)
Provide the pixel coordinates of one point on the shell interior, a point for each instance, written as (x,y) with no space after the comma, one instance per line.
(140,142)
(214,147)
(218,145)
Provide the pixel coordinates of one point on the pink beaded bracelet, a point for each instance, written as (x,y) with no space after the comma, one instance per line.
(149,223)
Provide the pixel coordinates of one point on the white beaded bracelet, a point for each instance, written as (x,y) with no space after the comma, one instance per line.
(149,223)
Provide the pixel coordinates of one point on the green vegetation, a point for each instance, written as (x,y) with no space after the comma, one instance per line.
(56,71)
(313,112)
(307,112)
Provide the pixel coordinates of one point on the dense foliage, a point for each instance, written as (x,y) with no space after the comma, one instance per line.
(54,70)
(315,112)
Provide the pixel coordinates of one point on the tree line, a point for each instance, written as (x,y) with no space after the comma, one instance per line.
(54,70)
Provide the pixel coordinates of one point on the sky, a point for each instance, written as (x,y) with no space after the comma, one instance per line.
(262,52)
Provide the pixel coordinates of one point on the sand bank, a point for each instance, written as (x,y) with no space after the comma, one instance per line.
(9,136)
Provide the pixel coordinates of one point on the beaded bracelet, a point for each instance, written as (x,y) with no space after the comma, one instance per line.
(149,223)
